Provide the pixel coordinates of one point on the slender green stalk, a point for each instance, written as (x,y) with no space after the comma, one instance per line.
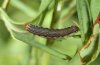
(5,4)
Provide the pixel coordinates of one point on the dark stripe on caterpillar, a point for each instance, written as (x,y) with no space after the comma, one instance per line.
(50,32)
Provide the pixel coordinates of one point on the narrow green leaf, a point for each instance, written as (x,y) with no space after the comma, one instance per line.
(29,39)
(9,22)
(84,16)
(44,5)
(88,51)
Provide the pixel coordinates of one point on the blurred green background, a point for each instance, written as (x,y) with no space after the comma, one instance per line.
(45,13)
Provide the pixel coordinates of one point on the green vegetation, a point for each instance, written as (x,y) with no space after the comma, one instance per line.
(19,47)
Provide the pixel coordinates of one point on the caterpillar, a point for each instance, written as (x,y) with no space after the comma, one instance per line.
(50,32)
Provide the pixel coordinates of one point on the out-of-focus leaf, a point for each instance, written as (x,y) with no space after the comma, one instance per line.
(21,6)
(91,50)
(68,46)
(44,6)
(48,18)
(14,52)
(85,20)
(29,39)
(32,14)
(97,61)
(76,60)
(95,8)
(56,61)
(8,21)
(4,34)
(20,13)
(96,53)
(1,2)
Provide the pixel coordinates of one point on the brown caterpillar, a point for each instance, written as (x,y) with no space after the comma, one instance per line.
(50,32)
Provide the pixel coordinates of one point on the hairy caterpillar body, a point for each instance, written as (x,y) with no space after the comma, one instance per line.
(50,32)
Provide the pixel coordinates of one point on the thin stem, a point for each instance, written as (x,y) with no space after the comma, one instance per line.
(5,4)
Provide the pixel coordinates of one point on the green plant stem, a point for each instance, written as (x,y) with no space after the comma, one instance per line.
(5,4)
